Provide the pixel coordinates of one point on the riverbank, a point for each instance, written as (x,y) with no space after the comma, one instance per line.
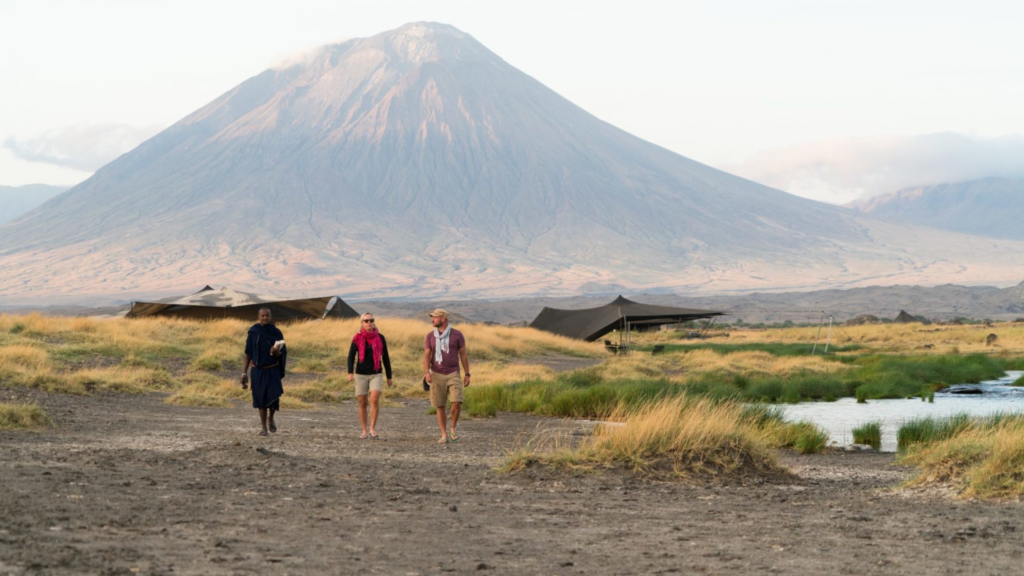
(127,483)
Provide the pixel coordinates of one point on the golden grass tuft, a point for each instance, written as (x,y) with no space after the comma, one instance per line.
(17,416)
(125,379)
(979,462)
(24,357)
(677,437)
(292,403)
(188,398)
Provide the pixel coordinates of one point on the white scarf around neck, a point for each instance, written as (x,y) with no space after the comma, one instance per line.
(441,343)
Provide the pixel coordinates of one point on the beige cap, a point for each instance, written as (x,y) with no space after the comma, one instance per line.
(439,312)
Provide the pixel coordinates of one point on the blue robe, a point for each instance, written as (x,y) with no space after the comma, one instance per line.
(266,371)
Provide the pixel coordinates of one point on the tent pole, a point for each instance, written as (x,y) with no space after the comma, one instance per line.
(707,327)
(818,335)
(829,337)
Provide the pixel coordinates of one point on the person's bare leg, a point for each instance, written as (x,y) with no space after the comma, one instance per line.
(270,419)
(442,422)
(362,414)
(374,410)
(456,409)
(263,418)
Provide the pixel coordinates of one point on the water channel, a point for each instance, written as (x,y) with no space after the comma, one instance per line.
(842,416)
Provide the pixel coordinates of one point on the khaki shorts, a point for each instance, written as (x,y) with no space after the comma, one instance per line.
(444,387)
(367,382)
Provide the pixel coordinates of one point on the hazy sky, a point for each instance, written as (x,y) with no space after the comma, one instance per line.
(829,99)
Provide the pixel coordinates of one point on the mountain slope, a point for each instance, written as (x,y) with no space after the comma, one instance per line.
(417,162)
(17,200)
(988,207)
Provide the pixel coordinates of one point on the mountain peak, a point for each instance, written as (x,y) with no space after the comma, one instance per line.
(419,42)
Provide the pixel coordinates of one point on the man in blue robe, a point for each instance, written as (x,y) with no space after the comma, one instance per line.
(265,361)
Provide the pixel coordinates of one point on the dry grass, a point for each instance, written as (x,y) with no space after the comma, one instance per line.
(679,365)
(903,338)
(80,355)
(676,437)
(981,461)
(14,416)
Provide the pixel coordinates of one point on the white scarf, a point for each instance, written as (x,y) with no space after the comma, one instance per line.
(441,343)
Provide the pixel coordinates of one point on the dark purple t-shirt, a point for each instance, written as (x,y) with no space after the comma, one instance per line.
(450,359)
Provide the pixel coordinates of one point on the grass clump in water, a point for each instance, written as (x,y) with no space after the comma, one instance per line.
(17,416)
(870,434)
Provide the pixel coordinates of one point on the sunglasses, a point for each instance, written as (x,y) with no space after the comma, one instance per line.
(370,320)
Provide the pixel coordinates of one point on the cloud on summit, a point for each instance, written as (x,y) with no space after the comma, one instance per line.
(842,170)
(84,147)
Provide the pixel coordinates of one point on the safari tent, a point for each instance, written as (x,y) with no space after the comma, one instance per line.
(904,318)
(211,304)
(592,323)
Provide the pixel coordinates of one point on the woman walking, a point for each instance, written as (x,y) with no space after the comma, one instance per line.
(371,350)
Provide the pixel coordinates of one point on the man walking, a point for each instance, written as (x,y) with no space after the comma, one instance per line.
(370,347)
(445,347)
(265,355)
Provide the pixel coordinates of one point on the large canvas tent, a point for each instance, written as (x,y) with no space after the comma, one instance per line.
(591,323)
(211,304)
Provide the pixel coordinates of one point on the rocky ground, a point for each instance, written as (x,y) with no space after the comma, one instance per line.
(128,484)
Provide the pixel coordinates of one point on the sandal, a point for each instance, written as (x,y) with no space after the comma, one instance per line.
(273,427)
(363,436)
(263,433)
(452,436)
(374,436)
(443,440)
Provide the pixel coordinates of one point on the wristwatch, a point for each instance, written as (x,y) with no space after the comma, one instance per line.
(467,374)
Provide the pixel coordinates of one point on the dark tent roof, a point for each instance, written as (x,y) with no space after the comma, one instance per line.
(591,323)
(210,303)
(904,318)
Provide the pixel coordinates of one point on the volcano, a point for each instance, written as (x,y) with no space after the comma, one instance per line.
(418,163)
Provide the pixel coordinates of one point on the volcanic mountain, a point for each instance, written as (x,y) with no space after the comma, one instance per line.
(418,163)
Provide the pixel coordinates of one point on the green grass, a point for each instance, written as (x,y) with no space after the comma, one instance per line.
(584,393)
(869,433)
(812,440)
(1018,382)
(929,430)
(577,394)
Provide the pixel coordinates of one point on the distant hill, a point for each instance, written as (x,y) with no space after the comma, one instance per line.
(418,163)
(936,302)
(988,207)
(17,200)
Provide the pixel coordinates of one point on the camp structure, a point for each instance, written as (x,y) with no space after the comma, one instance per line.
(212,304)
(621,314)
(904,318)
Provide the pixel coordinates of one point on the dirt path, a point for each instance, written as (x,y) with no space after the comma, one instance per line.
(127,484)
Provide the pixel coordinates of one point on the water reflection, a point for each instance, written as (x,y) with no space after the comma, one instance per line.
(842,416)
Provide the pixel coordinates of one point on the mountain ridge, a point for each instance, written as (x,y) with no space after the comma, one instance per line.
(992,207)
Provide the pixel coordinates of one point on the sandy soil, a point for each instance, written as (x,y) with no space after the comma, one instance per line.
(127,484)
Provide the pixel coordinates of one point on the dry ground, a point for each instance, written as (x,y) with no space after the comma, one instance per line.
(129,484)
